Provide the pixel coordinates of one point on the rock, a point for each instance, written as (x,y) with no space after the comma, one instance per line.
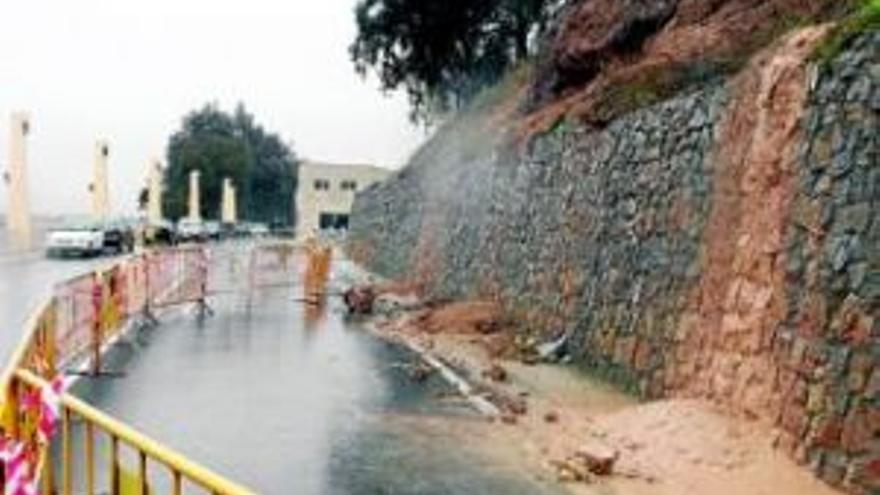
(554,350)
(875,100)
(497,345)
(860,90)
(420,372)
(519,406)
(486,327)
(551,417)
(570,471)
(508,418)
(598,457)
(392,304)
(359,300)
(855,218)
(530,359)
(496,373)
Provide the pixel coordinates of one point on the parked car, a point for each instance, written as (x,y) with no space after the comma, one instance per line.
(241,230)
(118,236)
(86,237)
(78,238)
(161,234)
(282,230)
(189,230)
(213,230)
(259,229)
(229,230)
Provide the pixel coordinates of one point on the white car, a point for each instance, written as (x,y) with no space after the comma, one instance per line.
(191,230)
(83,240)
(259,230)
(213,230)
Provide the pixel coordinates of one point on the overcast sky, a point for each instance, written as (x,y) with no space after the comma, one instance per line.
(128,71)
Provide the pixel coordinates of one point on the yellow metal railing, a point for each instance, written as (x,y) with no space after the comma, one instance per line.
(34,363)
(181,469)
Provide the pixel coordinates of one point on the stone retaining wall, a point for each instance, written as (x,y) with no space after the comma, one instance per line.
(711,246)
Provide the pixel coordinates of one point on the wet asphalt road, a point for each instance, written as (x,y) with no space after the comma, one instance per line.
(289,401)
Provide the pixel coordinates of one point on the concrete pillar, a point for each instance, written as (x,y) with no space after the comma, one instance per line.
(154,193)
(233,209)
(18,216)
(100,187)
(194,200)
(228,202)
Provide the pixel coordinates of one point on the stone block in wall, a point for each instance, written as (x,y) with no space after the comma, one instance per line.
(861,366)
(825,432)
(860,426)
(863,475)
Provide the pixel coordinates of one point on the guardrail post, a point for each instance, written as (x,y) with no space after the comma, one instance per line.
(11,426)
(148,315)
(66,453)
(9,422)
(90,457)
(145,259)
(97,306)
(48,478)
(114,465)
(202,274)
(50,323)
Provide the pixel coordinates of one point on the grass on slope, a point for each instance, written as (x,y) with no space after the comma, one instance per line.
(866,18)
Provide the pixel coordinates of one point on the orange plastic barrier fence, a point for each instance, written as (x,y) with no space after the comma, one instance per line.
(84,316)
(76,316)
(92,309)
(273,265)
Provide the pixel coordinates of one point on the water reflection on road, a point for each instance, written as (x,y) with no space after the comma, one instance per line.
(287,400)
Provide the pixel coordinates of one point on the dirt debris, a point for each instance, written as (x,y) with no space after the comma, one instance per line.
(478,317)
(551,417)
(610,56)
(593,458)
(496,373)
(359,300)
(598,457)
(662,448)
(741,298)
(570,471)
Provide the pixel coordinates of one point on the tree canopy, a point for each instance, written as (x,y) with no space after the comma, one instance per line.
(443,52)
(221,145)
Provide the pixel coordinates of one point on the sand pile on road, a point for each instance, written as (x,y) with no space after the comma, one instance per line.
(678,445)
(462,317)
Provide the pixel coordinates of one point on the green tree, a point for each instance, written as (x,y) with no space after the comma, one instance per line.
(443,52)
(221,145)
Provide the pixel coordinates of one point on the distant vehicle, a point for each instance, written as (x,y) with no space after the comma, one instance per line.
(241,230)
(282,230)
(118,236)
(161,234)
(82,239)
(90,238)
(229,230)
(191,230)
(213,230)
(259,229)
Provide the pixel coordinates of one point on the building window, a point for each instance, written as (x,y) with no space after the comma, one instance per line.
(348,185)
(333,221)
(322,185)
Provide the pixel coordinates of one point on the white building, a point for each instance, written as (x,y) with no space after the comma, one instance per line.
(326,192)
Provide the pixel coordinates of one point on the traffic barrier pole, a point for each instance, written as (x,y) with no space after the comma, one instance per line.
(97,296)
